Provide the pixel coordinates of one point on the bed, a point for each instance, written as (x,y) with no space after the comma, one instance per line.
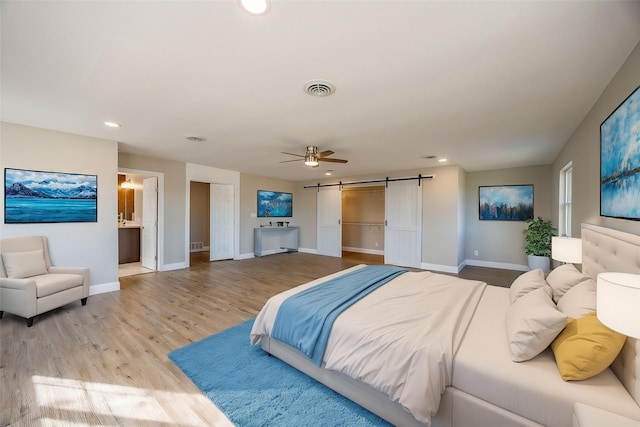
(480,384)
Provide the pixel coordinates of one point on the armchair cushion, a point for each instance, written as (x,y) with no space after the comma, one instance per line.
(49,284)
(20,265)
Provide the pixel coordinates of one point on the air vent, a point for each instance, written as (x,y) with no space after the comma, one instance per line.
(193,138)
(319,88)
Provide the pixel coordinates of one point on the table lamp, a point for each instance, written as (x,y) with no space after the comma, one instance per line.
(566,249)
(618,302)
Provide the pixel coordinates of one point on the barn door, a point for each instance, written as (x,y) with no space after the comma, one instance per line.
(329,230)
(403,224)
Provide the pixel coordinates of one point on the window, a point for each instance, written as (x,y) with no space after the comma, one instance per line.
(566,181)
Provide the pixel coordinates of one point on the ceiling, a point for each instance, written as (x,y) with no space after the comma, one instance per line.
(487,85)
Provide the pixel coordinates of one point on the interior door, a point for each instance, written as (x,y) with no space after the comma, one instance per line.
(403,224)
(150,223)
(221,220)
(329,229)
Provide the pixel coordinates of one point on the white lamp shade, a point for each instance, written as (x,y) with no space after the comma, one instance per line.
(618,302)
(566,249)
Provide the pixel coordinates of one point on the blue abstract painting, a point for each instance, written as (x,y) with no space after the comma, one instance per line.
(506,202)
(43,197)
(620,160)
(274,204)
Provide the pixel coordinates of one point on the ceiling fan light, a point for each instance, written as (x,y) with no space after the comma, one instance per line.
(310,160)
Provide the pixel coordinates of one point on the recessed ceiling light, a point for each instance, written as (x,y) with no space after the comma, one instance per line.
(327,173)
(442,160)
(255,7)
(112,124)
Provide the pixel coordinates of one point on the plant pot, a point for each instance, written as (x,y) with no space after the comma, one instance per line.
(542,262)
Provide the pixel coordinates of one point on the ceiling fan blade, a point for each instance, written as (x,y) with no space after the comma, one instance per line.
(292,154)
(287,161)
(328,159)
(324,154)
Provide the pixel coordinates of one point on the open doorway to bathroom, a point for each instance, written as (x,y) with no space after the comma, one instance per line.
(137,224)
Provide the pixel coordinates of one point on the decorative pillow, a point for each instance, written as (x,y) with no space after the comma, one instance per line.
(585,348)
(533,322)
(579,300)
(563,278)
(527,282)
(20,265)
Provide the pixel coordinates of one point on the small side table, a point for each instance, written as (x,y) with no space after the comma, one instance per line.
(588,416)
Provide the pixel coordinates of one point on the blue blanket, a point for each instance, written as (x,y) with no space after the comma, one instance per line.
(304,320)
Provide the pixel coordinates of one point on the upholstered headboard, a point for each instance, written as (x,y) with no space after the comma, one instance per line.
(604,249)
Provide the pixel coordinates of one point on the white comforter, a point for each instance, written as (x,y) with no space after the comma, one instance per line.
(400,339)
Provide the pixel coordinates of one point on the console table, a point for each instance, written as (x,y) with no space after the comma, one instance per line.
(274,240)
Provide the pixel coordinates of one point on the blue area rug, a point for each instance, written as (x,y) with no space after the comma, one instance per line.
(253,389)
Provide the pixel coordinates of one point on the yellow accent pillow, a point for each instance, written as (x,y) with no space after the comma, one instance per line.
(585,348)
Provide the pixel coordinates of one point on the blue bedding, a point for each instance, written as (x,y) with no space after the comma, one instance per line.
(305,319)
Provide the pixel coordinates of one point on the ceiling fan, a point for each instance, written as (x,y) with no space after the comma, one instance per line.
(312,157)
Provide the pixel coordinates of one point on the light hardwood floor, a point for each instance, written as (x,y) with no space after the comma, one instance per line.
(106,364)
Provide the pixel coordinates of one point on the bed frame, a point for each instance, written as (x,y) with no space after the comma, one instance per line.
(603,250)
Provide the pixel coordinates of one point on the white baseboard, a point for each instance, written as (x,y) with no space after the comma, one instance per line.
(501,265)
(308,251)
(174,266)
(437,267)
(202,249)
(244,256)
(363,250)
(104,288)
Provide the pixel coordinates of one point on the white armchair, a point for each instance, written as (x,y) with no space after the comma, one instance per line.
(30,285)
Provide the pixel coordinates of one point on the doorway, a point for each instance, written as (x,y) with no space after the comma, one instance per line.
(199,219)
(399,220)
(138,222)
(211,219)
(363,210)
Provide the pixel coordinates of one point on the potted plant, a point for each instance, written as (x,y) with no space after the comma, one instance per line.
(538,243)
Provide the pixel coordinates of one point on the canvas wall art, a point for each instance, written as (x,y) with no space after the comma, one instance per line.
(274,204)
(506,202)
(46,197)
(620,160)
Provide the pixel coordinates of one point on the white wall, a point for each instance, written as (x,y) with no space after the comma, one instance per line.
(171,205)
(500,244)
(93,245)
(250,184)
(441,215)
(583,149)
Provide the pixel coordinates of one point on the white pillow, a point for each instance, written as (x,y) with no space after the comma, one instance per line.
(579,300)
(19,265)
(563,278)
(527,282)
(533,322)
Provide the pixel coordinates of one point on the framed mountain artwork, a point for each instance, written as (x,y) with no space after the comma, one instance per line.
(48,197)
